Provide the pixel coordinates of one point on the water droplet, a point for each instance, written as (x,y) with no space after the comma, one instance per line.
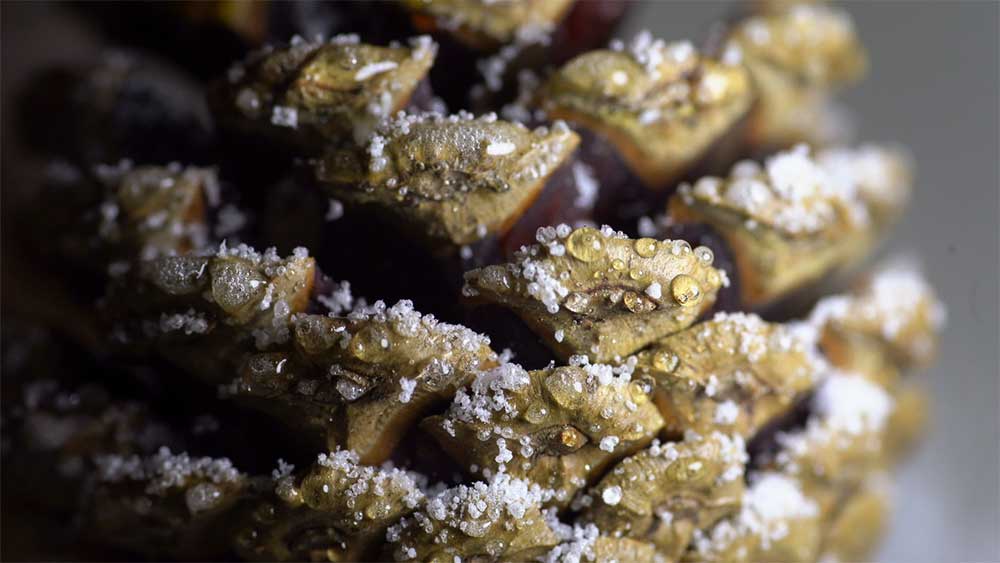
(665,361)
(264,513)
(378,509)
(713,278)
(637,274)
(350,390)
(633,302)
(687,469)
(359,348)
(680,247)
(685,290)
(536,414)
(203,496)
(704,254)
(645,247)
(618,264)
(585,244)
(636,390)
(495,548)
(576,302)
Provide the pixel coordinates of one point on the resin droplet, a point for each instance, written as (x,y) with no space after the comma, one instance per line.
(571,439)
(585,244)
(685,290)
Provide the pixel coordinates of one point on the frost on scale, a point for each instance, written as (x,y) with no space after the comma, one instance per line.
(311,93)
(587,543)
(487,25)
(845,436)
(360,381)
(734,373)
(557,427)
(122,212)
(662,105)
(797,56)
(495,520)
(206,312)
(777,521)
(58,426)
(798,216)
(448,180)
(663,493)
(345,506)
(158,210)
(178,499)
(893,317)
(606,294)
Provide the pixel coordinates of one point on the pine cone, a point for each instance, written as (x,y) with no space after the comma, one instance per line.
(618,318)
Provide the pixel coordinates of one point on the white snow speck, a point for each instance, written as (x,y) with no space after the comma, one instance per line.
(500,148)
(335,211)
(407,386)
(608,444)
(612,495)
(370,70)
(285,117)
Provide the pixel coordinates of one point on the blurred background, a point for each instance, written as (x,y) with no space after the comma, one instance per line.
(933,86)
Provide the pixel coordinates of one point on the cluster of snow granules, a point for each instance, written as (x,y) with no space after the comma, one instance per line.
(756,339)
(150,206)
(502,504)
(535,265)
(896,293)
(587,186)
(880,174)
(486,396)
(410,323)
(729,451)
(770,504)
(505,405)
(653,54)
(846,408)
(433,352)
(340,300)
(238,284)
(792,192)
(494,67)
(356,480)
(189,323)
(577,542)
(165,471)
